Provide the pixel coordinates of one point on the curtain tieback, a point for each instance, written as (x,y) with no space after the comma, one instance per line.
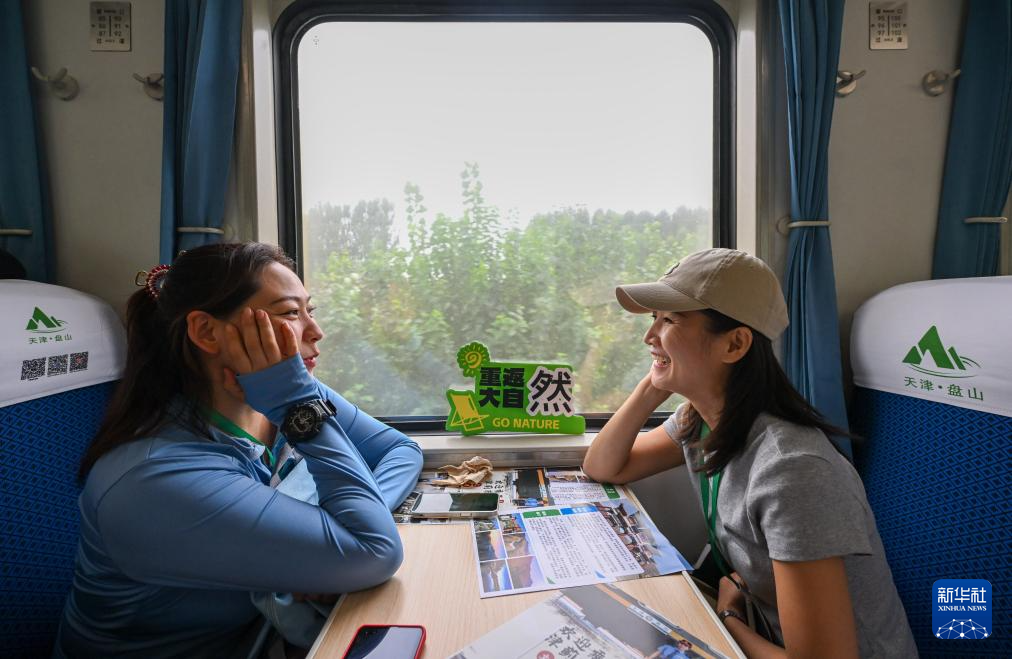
(219,232)
(15,232)
(784,225)
(986,220)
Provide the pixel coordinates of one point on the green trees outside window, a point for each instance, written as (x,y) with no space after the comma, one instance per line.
(396,309)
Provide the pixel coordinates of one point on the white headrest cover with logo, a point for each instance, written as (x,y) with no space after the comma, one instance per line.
(55,339)
(948,341)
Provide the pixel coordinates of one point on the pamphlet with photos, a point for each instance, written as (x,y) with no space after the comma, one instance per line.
(570,545)
(599,622)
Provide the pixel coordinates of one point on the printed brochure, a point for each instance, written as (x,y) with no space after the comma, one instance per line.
(558,546)
(588,622)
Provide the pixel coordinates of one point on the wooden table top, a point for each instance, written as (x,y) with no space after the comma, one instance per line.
(437,587)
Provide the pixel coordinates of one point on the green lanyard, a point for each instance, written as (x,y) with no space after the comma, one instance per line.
(228,426)
(709,487)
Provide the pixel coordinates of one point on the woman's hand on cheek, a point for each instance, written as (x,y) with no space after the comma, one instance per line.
(255,344)
(654,395)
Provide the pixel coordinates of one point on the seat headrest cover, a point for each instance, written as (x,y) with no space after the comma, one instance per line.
(948,341)
(55,339)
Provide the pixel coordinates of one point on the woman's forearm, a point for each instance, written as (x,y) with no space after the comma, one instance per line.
(752,644)
(609,453)
(397,473)
(394,458)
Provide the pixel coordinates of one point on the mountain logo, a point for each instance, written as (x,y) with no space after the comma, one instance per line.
(40,323)
(947,363)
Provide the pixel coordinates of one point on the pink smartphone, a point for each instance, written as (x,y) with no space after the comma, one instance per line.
(387,642)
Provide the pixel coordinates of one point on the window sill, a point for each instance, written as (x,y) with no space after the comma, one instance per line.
(505,449)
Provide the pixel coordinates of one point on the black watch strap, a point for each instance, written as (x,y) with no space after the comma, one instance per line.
(304,420)
(323,406)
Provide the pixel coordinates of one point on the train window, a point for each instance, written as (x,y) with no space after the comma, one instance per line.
(451,178)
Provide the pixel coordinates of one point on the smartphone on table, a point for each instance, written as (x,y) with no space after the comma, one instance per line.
(387,642)
(465,504)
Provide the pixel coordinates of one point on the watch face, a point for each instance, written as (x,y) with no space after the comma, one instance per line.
(304,420)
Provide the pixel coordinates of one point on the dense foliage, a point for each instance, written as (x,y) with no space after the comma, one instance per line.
(396,314)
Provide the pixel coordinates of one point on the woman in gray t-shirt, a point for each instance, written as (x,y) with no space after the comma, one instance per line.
(788,519)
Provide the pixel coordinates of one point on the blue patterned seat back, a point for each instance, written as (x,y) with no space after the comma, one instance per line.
(62,352)
(42,443)
(933,371)
(940,482)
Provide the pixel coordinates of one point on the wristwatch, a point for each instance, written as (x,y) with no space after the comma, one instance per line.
(730,613)
(304,420)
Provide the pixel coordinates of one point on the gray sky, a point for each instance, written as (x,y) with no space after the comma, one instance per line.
(612,115)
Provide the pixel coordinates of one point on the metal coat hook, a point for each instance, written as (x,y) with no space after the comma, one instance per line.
(154,85)
(935,82)
(63,86)
(846,81)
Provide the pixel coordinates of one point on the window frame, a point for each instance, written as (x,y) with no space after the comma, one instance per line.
(299,17)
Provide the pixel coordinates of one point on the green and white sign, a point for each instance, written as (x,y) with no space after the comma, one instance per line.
(512,396)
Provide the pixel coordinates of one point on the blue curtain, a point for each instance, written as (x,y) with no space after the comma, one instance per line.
(811,37)
(978,163)
(23,202)
(202,39)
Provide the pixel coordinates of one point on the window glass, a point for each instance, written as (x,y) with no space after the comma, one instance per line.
(466,181)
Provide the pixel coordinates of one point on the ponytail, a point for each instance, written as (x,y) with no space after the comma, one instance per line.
(151,380)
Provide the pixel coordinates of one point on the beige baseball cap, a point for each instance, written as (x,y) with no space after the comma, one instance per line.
(734,283)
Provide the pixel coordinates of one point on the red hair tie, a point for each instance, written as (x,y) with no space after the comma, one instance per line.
(152,280)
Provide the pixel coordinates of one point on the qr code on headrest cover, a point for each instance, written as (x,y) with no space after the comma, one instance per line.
(57,365)
(33,369)
(78,361)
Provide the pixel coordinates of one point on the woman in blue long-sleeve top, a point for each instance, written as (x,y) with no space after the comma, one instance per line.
(179,519)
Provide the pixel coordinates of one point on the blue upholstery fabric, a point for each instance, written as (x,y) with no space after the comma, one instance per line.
(42,442)
(938,478)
